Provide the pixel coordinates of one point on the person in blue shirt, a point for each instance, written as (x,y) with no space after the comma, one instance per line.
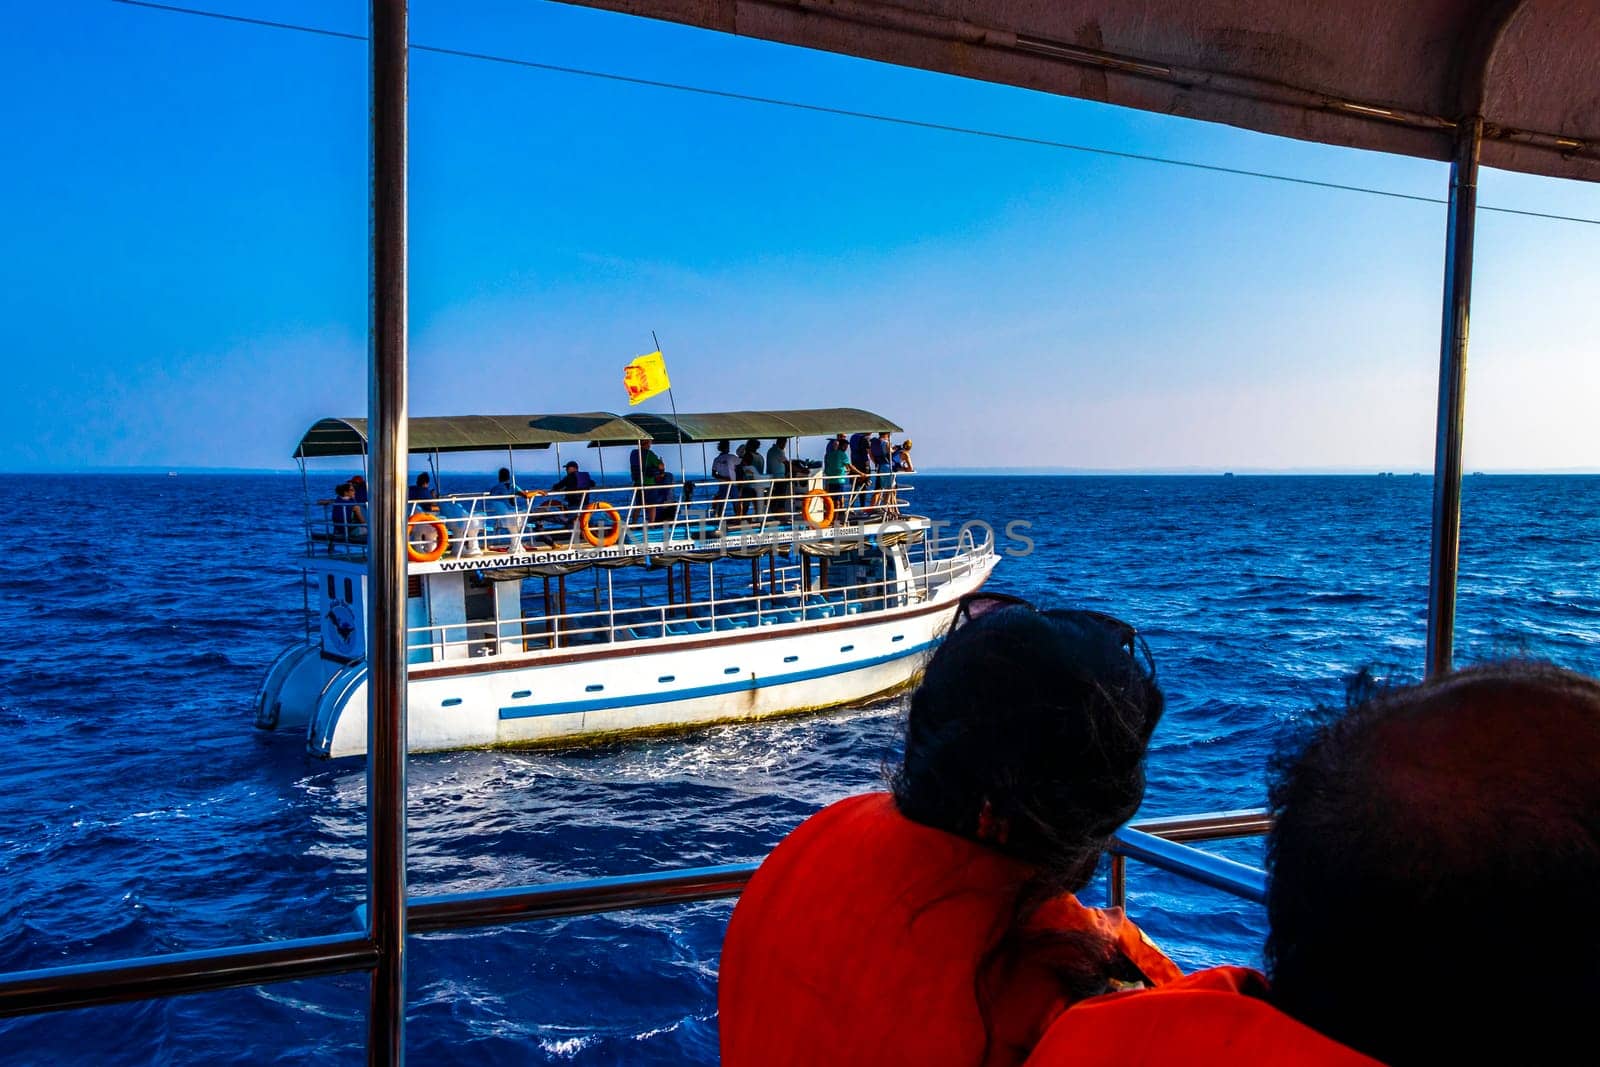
(883,471)
(573,487)
(348,521)
(421,489)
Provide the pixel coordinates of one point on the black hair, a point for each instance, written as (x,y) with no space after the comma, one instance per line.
(423,477)
(1028,734)
(1433,869)
(505,474)
(723,446)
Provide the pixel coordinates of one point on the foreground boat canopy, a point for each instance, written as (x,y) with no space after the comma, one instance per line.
(1394,77)
(492,433)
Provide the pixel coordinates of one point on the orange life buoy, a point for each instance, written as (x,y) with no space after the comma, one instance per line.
(585,525)
(442,537)
(827,509)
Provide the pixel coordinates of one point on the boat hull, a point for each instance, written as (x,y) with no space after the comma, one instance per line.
(632,687)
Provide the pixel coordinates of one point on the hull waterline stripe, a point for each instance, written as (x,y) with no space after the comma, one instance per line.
(574,707)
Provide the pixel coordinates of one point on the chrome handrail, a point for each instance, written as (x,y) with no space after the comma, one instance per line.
(84,985)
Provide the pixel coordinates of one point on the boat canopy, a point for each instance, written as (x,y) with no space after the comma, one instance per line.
(1375,74)
(471,433)
(740,425)
(491,433)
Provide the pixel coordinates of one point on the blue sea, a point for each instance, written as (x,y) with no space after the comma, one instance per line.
(142,813)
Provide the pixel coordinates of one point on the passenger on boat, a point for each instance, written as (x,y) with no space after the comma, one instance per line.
(902,458)
(348,521)
(936,924)
(836,469)
(778,472)
(420,490)
(359,484)
(725,469)
(644,464)
(573,486)
(506,486)
(1432,868)
(861,460)
(752,477)
(882,470)
(507,517)
(650,474)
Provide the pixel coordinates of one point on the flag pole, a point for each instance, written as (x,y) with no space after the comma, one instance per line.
(683,471)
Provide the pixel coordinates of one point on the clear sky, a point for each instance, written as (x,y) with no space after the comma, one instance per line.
(183,257)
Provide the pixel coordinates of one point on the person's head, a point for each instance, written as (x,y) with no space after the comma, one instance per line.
(906,444)
(753,444)
(780,443)
(505,474)
(723,446)
(1028,733)
(422,479)
(357,480)
(572,466)
(1434,868)
(883,435)
(840,440)
(344,490)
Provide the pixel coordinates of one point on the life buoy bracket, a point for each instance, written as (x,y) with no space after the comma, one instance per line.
(813,521)
(586,525)
(441,534)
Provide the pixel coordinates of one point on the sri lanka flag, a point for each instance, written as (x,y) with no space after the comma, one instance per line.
(645,377)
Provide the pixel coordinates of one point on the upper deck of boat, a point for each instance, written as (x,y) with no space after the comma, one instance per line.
(678,518)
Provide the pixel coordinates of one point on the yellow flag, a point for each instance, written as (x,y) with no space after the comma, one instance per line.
(645,377)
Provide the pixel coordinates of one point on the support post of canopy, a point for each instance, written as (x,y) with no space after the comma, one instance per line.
(386,656)
(1446,542)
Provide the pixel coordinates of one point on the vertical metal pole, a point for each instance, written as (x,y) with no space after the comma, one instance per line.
(1442,567)
(386,655)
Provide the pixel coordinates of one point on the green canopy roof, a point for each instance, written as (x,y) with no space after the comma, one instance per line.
(488,433)
(732,425)
(471,433)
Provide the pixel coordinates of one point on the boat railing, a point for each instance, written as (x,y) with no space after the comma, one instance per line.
(114,981)
(788,597)
(604,516)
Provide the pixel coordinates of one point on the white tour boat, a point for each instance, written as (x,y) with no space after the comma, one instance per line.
(578,613)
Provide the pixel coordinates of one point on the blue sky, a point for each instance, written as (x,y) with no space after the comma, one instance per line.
(183,261)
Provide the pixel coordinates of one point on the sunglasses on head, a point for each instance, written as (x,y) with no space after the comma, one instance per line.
(976,605)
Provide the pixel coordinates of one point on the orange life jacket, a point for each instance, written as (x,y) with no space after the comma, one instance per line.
(859,941)
(1210,1017)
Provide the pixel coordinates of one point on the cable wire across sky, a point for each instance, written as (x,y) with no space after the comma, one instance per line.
(823,109)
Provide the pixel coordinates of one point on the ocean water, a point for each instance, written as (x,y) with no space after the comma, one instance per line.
(141,813)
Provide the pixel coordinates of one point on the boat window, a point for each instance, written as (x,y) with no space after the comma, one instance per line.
(413,587)
(349,591)
(330,587)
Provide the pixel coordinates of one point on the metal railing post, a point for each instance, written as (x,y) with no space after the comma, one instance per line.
(1446,541)
(386,629)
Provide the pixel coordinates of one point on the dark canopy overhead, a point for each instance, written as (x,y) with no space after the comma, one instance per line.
(1379,74)
(470,433)
(739,425)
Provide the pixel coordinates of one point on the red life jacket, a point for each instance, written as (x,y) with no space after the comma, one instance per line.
(1210,1017)
(859,941)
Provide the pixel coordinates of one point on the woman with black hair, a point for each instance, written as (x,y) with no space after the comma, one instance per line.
(936,923)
